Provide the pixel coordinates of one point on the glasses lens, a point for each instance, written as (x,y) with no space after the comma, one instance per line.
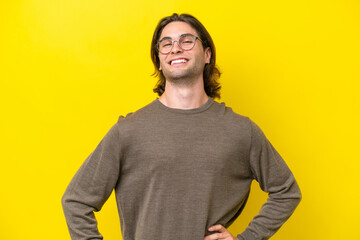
(187,42)
(165,46)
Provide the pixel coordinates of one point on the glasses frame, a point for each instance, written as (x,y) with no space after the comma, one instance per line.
(177,40)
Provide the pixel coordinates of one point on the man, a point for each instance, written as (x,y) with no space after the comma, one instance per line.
(182,165)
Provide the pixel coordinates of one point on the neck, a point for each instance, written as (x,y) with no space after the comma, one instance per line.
(184,96)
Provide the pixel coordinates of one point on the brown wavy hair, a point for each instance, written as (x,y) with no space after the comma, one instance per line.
(211,72)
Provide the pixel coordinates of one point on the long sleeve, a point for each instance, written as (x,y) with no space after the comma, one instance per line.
(91,186)
(275,178)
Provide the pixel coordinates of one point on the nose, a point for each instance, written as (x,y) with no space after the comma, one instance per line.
(176,47)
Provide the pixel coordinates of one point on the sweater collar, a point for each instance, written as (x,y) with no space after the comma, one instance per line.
(202,108)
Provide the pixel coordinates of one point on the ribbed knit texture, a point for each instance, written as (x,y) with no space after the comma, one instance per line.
(177,172)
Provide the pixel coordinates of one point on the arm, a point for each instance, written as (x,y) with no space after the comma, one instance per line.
(274,177)
(91,186)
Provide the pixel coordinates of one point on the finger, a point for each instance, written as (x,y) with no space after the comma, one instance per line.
(215,236)
(217,227)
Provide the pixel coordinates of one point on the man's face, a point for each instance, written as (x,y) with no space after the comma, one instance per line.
(195,59)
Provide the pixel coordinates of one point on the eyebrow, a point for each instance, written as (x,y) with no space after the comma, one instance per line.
(182,35)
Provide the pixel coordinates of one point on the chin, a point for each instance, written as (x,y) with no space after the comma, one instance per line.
(180,74)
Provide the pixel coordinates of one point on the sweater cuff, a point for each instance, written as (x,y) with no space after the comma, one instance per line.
(246,235)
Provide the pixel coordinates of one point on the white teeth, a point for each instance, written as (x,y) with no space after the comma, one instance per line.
(178,61)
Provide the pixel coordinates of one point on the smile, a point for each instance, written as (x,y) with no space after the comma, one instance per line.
(177,61)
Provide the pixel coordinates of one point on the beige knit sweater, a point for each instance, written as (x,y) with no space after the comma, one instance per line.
(177,172)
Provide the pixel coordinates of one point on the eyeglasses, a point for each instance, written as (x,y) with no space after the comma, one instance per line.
(185,42)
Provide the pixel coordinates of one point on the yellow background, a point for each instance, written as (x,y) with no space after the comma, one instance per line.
(70,68)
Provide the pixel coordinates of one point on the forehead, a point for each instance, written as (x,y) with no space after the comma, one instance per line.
(175,29)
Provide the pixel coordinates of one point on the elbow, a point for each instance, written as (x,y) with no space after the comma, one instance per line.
(296,196)
(65,201)
(292,194)
(299,197)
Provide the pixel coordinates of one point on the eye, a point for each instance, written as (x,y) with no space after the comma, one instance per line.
(166,44)
(187,40)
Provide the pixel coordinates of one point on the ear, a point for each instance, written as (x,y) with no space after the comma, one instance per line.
(160,68)
(207,55)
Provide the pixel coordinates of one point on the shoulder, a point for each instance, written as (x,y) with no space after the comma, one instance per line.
(237,121)
(134,119)
(141,112)
(230,116)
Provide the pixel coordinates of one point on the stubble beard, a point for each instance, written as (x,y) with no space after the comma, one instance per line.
(186,77)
